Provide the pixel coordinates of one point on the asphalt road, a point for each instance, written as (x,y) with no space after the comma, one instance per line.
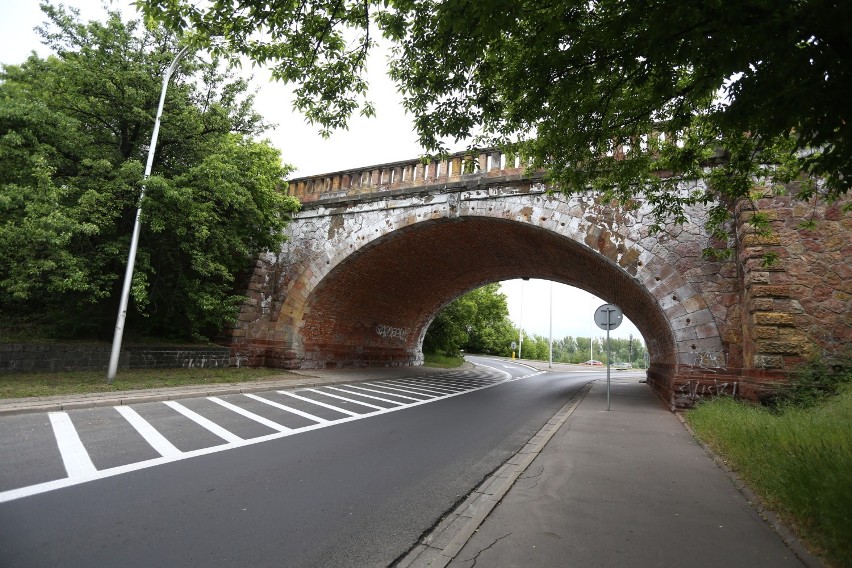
(358,491)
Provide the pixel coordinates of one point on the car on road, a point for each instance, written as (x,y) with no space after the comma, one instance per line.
(622,366)
(593,362)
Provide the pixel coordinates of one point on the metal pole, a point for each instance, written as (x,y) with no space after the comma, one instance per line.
(550,365)
(137,227)
(608,313)
(521,326)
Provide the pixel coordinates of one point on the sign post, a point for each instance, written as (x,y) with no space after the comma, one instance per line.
(608,317)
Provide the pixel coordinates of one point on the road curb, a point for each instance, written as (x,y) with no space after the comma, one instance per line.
(445,541)
(23,406)
(57,403)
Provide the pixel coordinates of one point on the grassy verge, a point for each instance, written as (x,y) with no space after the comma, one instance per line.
(23,385)
(799,461)
(442,361)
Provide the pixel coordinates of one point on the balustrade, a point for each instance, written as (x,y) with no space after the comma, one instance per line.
(407,174)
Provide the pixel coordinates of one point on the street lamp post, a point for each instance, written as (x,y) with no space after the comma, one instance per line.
(521,326)
(134,240)
(550,364)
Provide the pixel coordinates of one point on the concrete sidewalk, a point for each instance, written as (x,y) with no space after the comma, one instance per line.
(629,487)
(289,380)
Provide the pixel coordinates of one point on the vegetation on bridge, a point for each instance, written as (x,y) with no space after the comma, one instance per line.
(756,89)
(74,133)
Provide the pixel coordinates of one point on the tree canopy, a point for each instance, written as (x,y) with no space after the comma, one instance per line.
(74,133)
(629,98)
(477,321)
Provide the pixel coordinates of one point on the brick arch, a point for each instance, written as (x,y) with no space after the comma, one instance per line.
(712,325)
(368,295)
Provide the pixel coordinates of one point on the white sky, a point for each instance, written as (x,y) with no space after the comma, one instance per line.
(385,138)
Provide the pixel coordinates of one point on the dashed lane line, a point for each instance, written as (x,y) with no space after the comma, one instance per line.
(373,406)
(156,440)
(248,414)
(318,403)
(435,390)
(206,423)
(289,409)
(395,389)
(377,391)
(74,455)
(373,397)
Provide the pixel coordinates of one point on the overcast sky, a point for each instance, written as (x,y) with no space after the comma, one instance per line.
(385,138)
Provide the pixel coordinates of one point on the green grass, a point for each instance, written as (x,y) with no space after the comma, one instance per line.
(442,361)
(799,461)
(22,385)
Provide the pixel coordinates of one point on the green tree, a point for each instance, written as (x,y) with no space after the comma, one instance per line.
(604,95)
(477,321)
(74,131)
(536,348)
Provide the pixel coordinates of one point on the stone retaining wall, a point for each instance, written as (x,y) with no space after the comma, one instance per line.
(50,357)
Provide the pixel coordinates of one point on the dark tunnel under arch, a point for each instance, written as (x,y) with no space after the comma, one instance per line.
(400,280)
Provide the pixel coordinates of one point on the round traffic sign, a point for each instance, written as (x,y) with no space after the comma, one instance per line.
(608,316)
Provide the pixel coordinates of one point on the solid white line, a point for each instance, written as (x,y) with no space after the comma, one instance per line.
(74,455)
(21,492)
(248,414)
(289,409)
(151,435)
(324,405)
(373,406)
(200,420)
(501,371)
(380,391)
(375,397)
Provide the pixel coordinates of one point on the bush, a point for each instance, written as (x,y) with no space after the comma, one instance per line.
(812,383)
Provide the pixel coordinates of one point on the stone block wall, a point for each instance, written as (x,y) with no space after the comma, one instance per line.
(800,305)
(53,357)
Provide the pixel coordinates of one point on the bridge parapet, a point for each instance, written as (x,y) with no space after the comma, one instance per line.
(462,169)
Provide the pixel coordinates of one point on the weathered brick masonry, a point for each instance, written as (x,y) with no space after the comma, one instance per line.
(375,253)
(52,357)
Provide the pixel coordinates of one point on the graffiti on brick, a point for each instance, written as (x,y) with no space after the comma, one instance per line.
(692,391)
(709,359)
(390,332)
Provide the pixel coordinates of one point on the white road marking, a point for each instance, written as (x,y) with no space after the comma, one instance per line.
(21,492)
(248,414)
(403,390)
(200,420)
(74,455)
(324,405)
(289,409)
(441,390)
(352,400)
(151,435)
(376,397)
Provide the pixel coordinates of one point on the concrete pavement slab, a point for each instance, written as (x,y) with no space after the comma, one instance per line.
(629,487)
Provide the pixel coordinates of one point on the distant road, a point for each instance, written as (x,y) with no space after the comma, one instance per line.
(251,483)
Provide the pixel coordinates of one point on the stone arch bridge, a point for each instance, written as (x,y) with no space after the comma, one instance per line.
(376,252)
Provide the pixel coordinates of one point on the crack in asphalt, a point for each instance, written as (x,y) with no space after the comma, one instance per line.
(495,541)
